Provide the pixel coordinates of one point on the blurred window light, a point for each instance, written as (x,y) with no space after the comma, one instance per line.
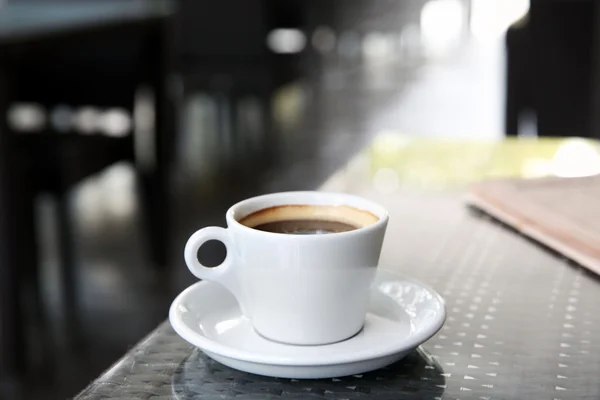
(491,19)
(144,127)
(26,117)
(288,105)
(251,117)
(377,45)
(89,206)
(323,39)
(390,142)
(349,44)
(119,177)
(86,120)
(386,181)
(536,168)
(61,118)
(115,122)
(442,24)
(286,41)
(409,42)
(198,146)
(574,158)
(119,183)
(527,124)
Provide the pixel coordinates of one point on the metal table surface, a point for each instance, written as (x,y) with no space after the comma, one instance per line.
(521,319)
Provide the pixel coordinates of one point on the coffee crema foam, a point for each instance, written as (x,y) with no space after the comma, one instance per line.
(344,214)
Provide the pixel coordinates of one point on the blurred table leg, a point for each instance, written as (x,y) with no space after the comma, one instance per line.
(155,177)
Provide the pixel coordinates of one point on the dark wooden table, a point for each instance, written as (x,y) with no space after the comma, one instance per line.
(521,320)
(30,27)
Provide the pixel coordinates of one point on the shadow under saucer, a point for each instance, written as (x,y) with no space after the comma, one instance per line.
(417,376)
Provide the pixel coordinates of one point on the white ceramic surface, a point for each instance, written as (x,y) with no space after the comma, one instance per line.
(299,289)
(402,314)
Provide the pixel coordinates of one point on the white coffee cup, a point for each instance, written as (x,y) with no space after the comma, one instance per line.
(296,289)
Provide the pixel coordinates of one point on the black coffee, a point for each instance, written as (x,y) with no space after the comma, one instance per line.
(305,227)
(297,219)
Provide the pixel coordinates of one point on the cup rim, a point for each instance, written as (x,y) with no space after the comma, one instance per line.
(380,211)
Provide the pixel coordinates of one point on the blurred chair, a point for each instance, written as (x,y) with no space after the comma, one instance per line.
(225,53)
(99,62)
(550,68)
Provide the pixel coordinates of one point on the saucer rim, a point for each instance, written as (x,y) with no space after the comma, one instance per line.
(209,345)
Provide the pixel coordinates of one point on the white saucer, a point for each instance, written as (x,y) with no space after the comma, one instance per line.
(402,314)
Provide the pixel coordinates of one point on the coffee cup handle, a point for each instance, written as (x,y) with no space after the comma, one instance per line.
(224,273)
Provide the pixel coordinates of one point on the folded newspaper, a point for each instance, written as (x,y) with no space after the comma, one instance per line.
(561,213)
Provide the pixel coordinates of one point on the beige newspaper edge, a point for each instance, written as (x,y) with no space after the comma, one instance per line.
(531,223)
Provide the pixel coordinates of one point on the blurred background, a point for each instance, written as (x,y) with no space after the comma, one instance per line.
(125,125)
